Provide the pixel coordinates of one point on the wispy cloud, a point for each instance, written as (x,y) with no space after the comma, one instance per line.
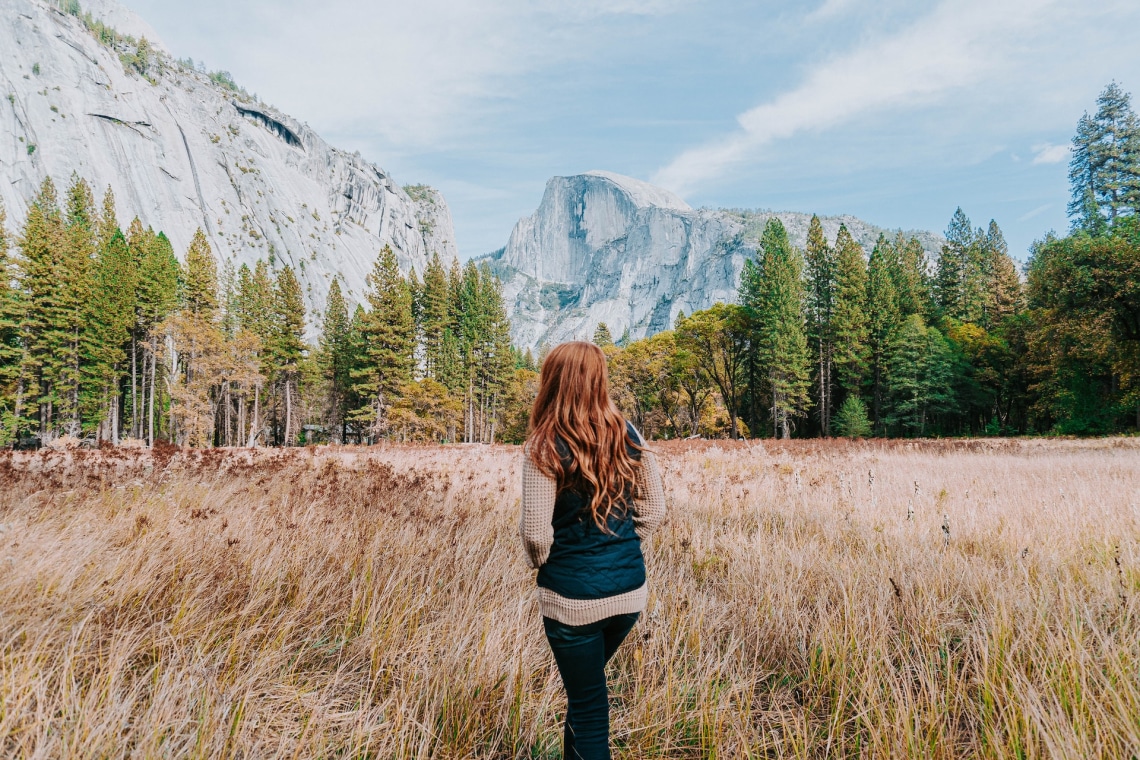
(1035,212)
(830,9)
(418,75)
(955,46)
(1047,153)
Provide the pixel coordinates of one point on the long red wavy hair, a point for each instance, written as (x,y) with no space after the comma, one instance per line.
(573,406)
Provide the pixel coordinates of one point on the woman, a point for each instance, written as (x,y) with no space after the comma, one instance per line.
(591,493)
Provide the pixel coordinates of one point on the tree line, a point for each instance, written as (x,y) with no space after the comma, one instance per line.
(830,341)
(105,336)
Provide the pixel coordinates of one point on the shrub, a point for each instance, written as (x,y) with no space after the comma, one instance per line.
(852,421)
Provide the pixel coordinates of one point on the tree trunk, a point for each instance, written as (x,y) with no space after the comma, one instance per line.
(18,408)
(253,422)
(115,402)
(288,412)
(153,384)
(135,427)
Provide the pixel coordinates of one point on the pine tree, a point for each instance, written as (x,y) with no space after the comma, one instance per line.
(111,313)
(388,338)
(1105,166)
(434,317)
(912,278)
(482,348)
(821,272)
(919,376)
(228,299)
(850,321)
(1003,286)
(950,283)
(1084,179)
(10,349)
(75,285)
(335,357)
(287,346)
(156,299)
(883,320)
(976,279)
(773,295)
(495,361)
(851,420)
(356,361)
(43,325)
(416,289)
(198,357)
(254,310)
(602,336)
(254,301)
(200,283)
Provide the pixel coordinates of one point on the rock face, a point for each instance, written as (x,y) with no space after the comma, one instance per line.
(182,151)
(606,248)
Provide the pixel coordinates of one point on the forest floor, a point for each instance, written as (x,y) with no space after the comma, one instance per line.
(808,599)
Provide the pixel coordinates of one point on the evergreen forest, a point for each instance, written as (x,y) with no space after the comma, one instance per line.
(107,336)
(829,341)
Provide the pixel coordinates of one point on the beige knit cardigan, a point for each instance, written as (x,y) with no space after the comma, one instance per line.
(539,493)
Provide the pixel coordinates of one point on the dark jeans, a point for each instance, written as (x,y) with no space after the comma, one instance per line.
(581,652)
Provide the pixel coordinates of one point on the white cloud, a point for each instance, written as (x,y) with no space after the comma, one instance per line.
(830,9)
(957,45)
(1047,153)
(416,74)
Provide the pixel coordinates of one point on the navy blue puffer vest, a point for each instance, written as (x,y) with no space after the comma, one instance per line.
(586,562)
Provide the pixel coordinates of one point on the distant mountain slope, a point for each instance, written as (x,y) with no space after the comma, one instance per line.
(182,150)
(607,248)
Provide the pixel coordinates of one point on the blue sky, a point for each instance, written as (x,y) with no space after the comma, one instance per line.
(895,111)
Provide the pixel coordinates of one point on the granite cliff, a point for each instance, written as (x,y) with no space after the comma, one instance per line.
(183,150)
(606,248)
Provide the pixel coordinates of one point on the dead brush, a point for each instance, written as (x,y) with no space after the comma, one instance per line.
(374,603)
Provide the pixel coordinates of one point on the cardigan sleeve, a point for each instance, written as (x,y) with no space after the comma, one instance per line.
(539,493)
(649,507)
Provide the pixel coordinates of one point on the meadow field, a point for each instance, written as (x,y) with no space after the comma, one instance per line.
(975,599)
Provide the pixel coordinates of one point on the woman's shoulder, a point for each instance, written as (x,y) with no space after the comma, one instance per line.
(635,437)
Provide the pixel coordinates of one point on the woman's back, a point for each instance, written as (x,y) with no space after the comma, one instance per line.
(591,493)
(588,561)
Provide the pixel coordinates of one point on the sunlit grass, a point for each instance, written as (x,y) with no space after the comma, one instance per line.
(374,603)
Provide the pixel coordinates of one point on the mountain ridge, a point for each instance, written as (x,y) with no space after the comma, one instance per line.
(599,248)
(184,149)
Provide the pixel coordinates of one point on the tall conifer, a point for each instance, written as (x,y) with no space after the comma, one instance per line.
(434,315)
(820,271)
(775,299)
(950,283)
(1003,290)
(111,315)
(200,284)
(1104,171)
(912,278)
(157,297)
(288,346)
(334,358)
(388,338)
(43,330)
(76,270)
(883,320)
(9,335)
(850,322)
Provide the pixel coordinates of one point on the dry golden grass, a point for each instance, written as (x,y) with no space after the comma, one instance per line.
(374,603)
